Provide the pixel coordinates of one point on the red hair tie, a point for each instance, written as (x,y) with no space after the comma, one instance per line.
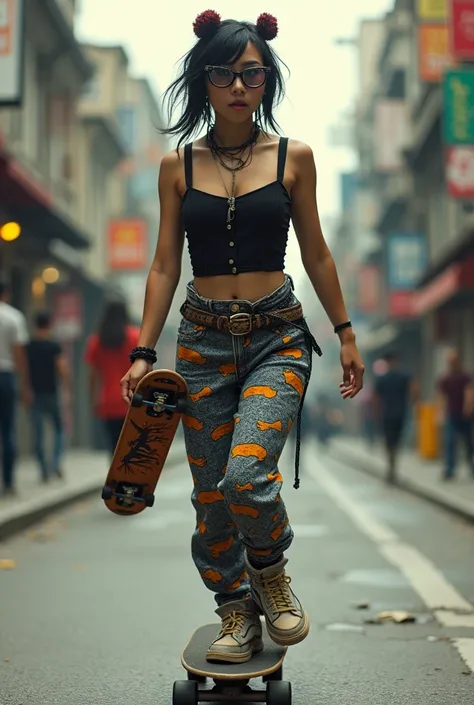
(267,26)
(206,24)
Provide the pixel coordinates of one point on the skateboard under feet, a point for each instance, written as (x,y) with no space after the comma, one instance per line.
(231,679)
(145,439)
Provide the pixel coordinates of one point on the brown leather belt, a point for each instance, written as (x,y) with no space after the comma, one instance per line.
(241,323)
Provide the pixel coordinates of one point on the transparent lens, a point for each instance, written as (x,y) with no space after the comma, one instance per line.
(253,78)
(221,77)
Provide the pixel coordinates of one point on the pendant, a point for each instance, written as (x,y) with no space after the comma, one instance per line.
(231,209)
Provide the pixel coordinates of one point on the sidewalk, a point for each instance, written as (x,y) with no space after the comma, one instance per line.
(84,475)
(415,475)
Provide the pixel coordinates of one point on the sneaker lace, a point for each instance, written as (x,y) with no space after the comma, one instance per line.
(278,593)
(232,622)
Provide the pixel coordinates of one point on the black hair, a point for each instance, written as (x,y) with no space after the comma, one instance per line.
(112,329)
(224,47)
(42,320)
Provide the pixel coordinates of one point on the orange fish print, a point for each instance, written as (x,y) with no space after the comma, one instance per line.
(266,426)
(245,450)
(202,528)
(205,392)
(213,575)
(224,469)
(244,510)
(238,582)
(246,342)
(275,517)
(199,462)
(221,547)
(294,381)
(192,422)
(190,355)
(210,497)
(199,328)
(267,392)
(244,488)
(227,370)
(289,426)
(276,533)
(222,430)
(237,419)
(275,477)
(290,352)
(260,551)
(287,339)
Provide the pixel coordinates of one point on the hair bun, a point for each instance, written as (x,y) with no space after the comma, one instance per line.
(267,26)
(206,24)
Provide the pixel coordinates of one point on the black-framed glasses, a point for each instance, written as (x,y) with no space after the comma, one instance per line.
(223,77)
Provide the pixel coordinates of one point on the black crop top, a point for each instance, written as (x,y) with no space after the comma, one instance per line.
(257,236)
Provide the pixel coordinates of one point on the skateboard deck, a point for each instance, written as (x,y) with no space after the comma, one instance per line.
(144,442)
(262,663)
(231,679)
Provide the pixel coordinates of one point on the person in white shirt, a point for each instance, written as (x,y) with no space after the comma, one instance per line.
(13,369)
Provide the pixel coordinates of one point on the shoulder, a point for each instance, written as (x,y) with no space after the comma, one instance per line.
(172,160)
(300,151)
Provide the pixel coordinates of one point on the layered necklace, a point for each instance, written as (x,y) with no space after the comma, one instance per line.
(239,157)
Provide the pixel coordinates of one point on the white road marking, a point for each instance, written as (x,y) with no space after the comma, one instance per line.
(310,530)
(430,584)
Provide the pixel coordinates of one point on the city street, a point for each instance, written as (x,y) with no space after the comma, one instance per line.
(96,608)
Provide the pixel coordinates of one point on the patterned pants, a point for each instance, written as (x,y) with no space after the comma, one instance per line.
(244,394)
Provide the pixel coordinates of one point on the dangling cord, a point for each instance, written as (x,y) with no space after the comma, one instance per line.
(313,346)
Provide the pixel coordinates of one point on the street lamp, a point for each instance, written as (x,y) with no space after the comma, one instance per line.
(10,231)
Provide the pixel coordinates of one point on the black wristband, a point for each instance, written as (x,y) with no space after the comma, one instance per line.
(341,326)
(142,353)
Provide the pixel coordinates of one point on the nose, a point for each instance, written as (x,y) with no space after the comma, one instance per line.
(238,85)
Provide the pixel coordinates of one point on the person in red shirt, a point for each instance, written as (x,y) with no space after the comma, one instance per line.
(107,354)
(456,409)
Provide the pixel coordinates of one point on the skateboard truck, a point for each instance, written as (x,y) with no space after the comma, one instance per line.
(159,404)
(127,495)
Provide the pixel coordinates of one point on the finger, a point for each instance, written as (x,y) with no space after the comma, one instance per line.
(358,380)
(346,377)
(125,384)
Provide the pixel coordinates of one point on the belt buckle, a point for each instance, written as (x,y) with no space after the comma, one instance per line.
(237,324)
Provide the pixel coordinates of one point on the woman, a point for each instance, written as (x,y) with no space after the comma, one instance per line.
(107,354)
(243,346)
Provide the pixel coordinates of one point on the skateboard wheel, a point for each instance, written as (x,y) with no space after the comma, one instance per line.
(149,500)
(185,693)
(181,405)
(107,492)
(137,400)
(278,693)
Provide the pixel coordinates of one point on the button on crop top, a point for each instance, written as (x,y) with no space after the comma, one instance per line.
(257,236)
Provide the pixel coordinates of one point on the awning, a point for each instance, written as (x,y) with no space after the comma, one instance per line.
(26,201)
(455,279)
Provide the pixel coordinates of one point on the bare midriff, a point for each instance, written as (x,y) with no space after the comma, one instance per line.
(248,286)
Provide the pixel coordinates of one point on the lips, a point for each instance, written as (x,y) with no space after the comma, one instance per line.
(238,104)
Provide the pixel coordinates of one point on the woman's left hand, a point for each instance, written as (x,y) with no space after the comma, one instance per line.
(353,371)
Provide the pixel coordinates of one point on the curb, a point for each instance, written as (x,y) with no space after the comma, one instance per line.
(455,505)
(20,518)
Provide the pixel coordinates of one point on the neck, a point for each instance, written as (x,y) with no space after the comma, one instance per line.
(229,135)
(42,334)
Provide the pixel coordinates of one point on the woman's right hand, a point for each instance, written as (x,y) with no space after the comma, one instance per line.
(130,380)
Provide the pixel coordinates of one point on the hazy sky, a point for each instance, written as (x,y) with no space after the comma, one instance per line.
(323,79)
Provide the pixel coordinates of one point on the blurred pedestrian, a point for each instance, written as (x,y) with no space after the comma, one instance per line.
(13,370)
(394,389)
(455,401)
(49,376)
(107,354)
(244,347)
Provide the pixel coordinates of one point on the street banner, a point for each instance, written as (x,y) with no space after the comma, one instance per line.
(432,9)
(434,52)
(458,103)
(460,171)
(462,29)
(11,52)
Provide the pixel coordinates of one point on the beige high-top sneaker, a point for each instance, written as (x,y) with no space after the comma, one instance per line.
(287,622)
(240,635)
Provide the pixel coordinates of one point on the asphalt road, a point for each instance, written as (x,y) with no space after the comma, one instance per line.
(98,607)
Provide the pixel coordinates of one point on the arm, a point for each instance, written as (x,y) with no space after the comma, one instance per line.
(165,270)
(62,367)
(20,357)
(469,400)
(319,264)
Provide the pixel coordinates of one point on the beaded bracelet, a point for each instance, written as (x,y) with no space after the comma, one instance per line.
(143,353)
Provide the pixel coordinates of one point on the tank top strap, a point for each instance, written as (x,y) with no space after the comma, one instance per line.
(282,149)
(188,164)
